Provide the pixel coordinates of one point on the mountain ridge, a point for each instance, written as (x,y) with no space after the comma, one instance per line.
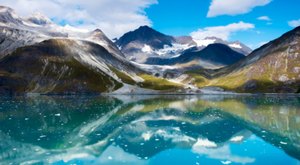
(143,43)
(272,68)
(214,54)
(38,56)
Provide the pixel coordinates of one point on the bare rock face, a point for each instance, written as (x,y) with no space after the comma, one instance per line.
(250,85)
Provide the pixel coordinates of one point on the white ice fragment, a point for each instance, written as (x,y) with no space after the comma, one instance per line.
(284,143)
(226,162)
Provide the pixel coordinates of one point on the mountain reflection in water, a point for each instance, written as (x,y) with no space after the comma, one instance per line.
(150,130)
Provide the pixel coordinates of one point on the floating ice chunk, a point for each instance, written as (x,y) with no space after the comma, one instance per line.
(237,139)
(146,136)
(226,162)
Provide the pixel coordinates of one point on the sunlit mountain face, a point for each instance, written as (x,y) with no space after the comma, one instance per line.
(150,130)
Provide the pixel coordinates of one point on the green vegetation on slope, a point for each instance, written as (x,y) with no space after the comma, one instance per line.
(123,76)
(277,72)
(48,68)
(155,83)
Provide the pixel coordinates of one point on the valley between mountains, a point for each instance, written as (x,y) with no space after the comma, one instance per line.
(39,56)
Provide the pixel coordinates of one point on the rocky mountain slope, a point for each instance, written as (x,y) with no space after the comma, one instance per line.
(273,68)
(38,56)
(58,66)
(63,66)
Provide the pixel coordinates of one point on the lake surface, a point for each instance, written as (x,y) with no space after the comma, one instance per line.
(157,130)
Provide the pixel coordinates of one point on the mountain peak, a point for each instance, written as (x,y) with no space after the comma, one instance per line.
(98,35)
(147,30)
(145,35)
(4,9)
(8,15)
(97,31)
(145,27)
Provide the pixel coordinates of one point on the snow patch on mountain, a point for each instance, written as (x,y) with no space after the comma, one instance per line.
(168,51)
(17,32)
(93,61)
(147,49)
(39,19)
(205,42)
(174,50)
(154,68)
(235,45)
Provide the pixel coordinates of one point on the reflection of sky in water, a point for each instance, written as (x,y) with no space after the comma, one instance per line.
(163,130)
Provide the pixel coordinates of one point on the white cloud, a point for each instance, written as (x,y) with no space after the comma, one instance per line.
(264,18)
(294,23)
(223,32)
(234,7)
(114,17)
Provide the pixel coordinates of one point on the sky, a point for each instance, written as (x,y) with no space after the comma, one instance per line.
(253,22)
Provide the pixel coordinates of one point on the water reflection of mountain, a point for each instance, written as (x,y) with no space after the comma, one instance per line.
(66,128)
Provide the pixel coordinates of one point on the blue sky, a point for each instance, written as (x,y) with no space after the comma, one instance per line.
(226,19)
(179,17)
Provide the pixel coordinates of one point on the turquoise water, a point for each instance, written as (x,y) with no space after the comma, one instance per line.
(150,130)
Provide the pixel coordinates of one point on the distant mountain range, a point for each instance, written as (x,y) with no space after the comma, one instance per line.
(145,42)
(38,56)
(213,56)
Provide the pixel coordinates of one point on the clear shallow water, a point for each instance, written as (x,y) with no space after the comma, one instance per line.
(150,130)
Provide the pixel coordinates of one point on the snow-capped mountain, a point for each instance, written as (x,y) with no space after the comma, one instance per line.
(41,57)
(39,19)
(145,42)
(211,57)
(16,31)
(37,55)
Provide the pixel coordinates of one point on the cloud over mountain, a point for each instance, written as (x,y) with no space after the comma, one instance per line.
(223,32)
(113,19)
(233,7)
(294,23)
